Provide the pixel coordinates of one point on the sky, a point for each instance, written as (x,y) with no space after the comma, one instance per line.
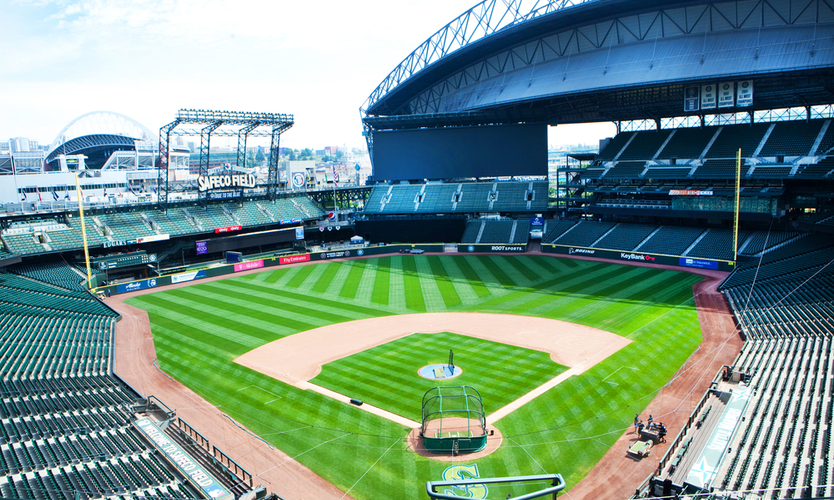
(317,60)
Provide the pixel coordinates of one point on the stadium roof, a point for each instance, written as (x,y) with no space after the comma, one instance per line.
(599,60)
(123,130)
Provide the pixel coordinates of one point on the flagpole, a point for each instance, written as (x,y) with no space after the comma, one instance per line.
(83,232)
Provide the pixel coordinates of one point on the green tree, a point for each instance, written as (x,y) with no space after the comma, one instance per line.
(259,157)
(339,154)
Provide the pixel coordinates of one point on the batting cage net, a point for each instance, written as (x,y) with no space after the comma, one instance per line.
(453,420)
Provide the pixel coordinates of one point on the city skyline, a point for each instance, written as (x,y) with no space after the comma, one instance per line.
(318,61)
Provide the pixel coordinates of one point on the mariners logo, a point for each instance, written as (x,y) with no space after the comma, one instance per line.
(470,248)
(460,473)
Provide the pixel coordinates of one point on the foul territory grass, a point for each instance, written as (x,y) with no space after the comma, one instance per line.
(200,330)
(386,375)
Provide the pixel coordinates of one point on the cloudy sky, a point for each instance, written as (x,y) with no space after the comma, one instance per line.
(317,60)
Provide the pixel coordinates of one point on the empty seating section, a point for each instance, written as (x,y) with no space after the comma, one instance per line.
(759,240)
(374,203)
(716,244)
(437,198)
(553,229)
(584,234)
(522,232)
(625,236)
(72,237)
(211,217)
(826,146)
(667,172)
(626,170)
(497,231)
(645,145)
(820,170)
(472,230)
(248,215)
(126,225)
(784,305)
(771,171)
(719,169)
(65,422)
(54,273)
(307,207)
(614,146)
(173,222)
(793,138)
(671,240)
(746,137)
(23,244)
(403,199)
(512,197)
(688,143)
(474,197)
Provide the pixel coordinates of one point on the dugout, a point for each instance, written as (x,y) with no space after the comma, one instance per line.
(453,420)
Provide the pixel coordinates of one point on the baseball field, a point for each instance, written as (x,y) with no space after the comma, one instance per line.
(200,330)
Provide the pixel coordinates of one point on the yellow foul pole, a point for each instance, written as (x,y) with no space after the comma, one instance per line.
(79,196)
(738,200)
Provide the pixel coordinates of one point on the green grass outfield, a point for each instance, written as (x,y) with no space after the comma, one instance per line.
(386,375)
(199,330)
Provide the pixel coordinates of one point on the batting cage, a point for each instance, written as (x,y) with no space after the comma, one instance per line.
(453,420)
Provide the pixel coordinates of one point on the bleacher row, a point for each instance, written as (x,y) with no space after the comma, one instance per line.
(712,243)
(126,226)
(466,197)
(496,231)
(65,422)
(791,149)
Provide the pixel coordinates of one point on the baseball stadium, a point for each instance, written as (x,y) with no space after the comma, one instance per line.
(481,319)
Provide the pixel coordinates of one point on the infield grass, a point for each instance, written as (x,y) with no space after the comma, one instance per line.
(199,330)
(386,375)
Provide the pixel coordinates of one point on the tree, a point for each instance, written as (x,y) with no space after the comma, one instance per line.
(306,153)
(259,157)
(339,154)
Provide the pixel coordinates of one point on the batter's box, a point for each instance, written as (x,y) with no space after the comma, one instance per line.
(271,394)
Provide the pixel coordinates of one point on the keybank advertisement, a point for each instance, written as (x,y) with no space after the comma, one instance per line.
(136,285)
(699,263)
(190,276)
(172,451)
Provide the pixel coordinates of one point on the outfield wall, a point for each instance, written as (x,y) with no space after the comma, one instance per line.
(649,258)
(279,260)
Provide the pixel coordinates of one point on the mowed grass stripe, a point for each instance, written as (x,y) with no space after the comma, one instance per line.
(462,286)
(274,276)
(354,278)
(411,283)
(259,310)
(545,263)
(444,282)
(396,286)
(327,276)
(300,276)
(495,269)
(301,298)
(381,281)
(428,284)
(475,281)
(520,264)
(220,326)
(230,305)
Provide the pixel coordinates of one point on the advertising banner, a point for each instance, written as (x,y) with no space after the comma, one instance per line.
(497,248)
(155,237)
(689,192)
(292,259)
(136,285)
(699,263)
(536,221)
(669,260)
(299,233)
(252,264)
(189,276)
(195,473)
(227,229)
(202,247)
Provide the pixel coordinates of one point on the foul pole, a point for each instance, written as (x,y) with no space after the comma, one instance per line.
(736,210)
(83,231)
